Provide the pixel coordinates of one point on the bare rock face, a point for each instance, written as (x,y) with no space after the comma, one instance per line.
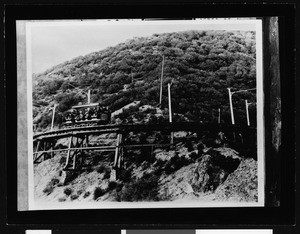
(202,177)
(213,169)
(241,185)
(176,185)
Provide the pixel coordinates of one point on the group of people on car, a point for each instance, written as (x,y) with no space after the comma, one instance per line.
(86,114)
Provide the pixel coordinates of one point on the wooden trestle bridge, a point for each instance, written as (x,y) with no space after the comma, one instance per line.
(44,144)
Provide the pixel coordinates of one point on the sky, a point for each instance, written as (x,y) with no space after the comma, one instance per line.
(54,42)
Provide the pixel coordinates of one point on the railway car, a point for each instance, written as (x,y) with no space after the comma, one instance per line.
(87,115)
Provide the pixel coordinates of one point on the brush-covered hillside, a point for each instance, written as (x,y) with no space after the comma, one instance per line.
(202,65)
(196,167)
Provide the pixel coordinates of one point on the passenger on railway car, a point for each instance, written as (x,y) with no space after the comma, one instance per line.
(105,116)
(73,115)
(68,118)
(94,113)
(81,115)
(77,117)
(87,114)
(108,112)
(99,112)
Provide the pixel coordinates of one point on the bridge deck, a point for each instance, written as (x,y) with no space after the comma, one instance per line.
(169,127)
(78,139)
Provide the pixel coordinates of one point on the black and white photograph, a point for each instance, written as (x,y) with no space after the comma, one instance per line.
(136,113)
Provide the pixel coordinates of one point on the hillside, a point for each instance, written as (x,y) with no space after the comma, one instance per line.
(189,172)
(202,64)
(207,166)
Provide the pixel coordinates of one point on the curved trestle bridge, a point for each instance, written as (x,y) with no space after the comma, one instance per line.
(45,144)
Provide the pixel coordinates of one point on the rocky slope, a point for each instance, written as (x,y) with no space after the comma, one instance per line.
(186,173)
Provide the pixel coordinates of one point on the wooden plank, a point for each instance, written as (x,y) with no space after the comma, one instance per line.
(117,151)
(105,148)
(145,145)
(120,149)
(69,151)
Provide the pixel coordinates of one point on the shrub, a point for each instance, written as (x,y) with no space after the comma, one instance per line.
(62,199)
(160,163)
(50,186)
(189,145)
(119,187)
(89,169)
(74,196)
(194,156)
(106,173)
(48,190)
(98,192)
(66,101)
(79,192)
(101,169)
(62,160)
(68,191)
(51,86)
(176,163)
(210,142)
(112,185)
(200,148)
(86,194)
(143,189)
(126,174)
(44,122)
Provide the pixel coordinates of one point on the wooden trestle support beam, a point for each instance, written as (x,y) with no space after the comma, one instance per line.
(40,150)
(75,151)
(118,157)
(77,144)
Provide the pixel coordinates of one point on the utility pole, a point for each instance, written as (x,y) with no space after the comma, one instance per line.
(247,111)
(53,113)
(89,96)
(230,100)
(161,79)
(170,110)
(169,97)
(231,107)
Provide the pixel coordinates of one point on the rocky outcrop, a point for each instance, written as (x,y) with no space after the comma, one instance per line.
(241,185)
(211,174)
(213,169)
(176,185)
(203,176)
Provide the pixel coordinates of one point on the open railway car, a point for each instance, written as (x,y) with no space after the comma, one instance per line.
(87,115)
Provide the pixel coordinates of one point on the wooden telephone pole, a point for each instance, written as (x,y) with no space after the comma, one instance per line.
(230,100)
(161,79)
(247,112)
(231,107)
(89,96)
(170,109)
(169,101)
(53,114)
